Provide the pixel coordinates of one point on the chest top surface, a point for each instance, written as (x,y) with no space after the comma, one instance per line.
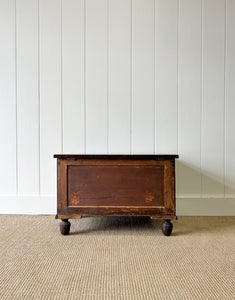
(117,156)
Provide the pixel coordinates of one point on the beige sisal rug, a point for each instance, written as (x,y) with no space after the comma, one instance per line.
(117,258)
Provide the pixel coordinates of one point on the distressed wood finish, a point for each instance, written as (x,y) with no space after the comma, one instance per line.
(167,227)
(65,227)
(140,185)
(115,185)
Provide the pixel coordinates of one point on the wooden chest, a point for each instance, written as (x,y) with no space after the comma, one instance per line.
(139,185)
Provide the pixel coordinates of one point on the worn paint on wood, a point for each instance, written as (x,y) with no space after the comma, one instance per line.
(123,186)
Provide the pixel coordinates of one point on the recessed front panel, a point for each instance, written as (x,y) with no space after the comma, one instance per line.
(110,185)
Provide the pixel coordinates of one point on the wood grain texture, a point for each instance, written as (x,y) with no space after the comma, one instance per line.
(75,212)
(64,227)
(167,227)
(115,187)
(118,156)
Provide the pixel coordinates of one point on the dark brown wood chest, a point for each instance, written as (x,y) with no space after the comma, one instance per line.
(116,185)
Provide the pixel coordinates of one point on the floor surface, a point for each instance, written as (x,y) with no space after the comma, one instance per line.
(117,258)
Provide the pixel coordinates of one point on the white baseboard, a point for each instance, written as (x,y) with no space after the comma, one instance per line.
(28,205)
(185,206)
(189,206)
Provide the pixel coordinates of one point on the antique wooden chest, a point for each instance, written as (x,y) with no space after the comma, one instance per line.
(116,185)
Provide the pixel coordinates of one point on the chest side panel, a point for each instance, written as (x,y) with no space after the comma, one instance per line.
(110,185)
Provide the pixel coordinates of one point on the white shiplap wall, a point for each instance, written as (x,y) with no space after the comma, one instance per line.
(117,76)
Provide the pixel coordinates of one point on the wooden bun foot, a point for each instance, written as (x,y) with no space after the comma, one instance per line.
(65,226)
(167,227)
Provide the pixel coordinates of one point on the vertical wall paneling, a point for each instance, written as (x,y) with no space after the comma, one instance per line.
(119,64)
(117,76)
(96,75)
(7,98)
(27,96)
(213,98)
(230,100)
(50,92)
(189,92)
(73,75)
(166,35)
(142,76)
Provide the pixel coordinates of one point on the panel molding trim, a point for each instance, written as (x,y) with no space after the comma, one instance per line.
(185,206)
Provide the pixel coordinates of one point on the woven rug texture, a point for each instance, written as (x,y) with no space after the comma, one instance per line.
(117,258)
